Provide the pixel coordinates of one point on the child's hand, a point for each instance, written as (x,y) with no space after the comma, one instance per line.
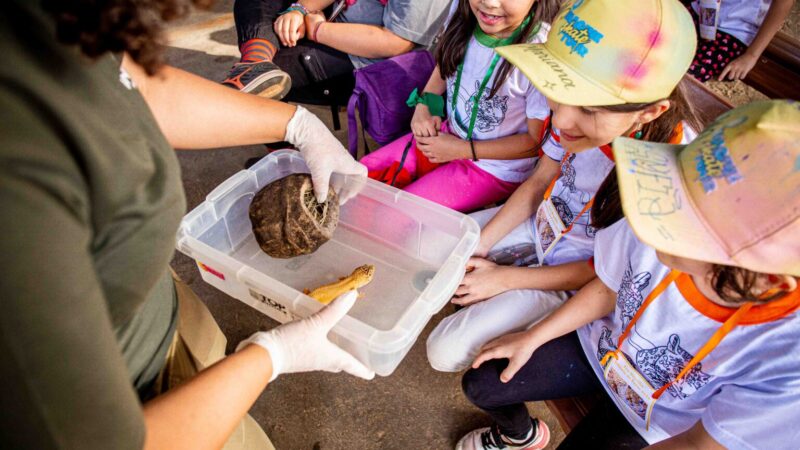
(739,67)
(443,148)
(517,347)
(483,280)
(290,28)
(423,123)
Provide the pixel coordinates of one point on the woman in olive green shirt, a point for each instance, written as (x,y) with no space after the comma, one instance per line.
(91,198)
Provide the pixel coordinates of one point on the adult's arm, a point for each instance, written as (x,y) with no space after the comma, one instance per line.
(196,113)
(406,23)
(367,41)
(203,412)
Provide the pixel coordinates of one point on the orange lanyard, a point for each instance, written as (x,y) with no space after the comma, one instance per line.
(549,191)
(676,138)
(712,342)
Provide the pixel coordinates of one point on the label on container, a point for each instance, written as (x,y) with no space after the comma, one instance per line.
(279,308)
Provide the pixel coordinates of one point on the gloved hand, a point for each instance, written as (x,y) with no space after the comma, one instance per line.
(303,345)
(323,153)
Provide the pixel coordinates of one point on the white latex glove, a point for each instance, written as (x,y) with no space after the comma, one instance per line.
(323,153)
(303,345)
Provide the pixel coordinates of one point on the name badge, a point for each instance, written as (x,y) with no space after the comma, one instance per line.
(630,387)
(549,227)
(709,18)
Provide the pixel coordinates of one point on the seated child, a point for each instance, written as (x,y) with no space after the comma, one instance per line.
(485,149)
(733,34)
(545,223)
(692,326)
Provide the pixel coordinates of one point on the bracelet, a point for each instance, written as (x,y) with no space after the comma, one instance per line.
(295,7)
(312,36)
(472,147)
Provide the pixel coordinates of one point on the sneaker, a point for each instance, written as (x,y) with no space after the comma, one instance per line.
(262,78)
(490,439)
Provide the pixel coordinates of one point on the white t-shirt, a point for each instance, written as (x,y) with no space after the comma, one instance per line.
(505,114)
(740,18)
(746,391)
(581,176)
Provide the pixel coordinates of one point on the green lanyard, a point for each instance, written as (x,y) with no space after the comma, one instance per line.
(490,42)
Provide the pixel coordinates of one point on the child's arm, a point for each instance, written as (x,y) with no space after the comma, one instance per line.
(446,147)
(741,66)
(522,204)
(423,123)
(695,438)
(592,302)
(488,279)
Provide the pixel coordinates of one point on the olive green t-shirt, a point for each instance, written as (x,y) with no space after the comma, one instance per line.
(90,199)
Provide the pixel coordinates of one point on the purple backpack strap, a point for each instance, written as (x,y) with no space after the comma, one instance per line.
(356,102)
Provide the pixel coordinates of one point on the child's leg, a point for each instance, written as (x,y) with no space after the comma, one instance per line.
(456,341)
(461,185)
(390,153)
(603,428)
(712,56)
(557,369)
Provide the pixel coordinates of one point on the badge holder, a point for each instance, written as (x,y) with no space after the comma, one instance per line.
(709,19)
(631,389)
(549,228)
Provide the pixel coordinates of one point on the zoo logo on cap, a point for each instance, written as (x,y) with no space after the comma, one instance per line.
(576,33)
(714,160)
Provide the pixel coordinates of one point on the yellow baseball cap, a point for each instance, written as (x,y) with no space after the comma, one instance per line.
(731,197)
(610,52)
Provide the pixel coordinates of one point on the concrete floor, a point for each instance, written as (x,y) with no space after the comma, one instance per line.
(414,408)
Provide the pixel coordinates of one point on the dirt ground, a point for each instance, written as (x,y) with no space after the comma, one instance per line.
(414,408)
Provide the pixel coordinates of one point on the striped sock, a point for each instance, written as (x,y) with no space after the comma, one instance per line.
(257,50)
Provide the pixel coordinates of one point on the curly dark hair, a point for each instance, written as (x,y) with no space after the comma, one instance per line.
(132,26)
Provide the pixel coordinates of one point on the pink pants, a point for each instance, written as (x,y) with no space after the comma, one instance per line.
(458,184)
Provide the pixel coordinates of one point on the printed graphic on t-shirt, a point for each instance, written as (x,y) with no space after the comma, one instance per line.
(491,111)
(566,188)
(659,364)
(662,364)
(629,296)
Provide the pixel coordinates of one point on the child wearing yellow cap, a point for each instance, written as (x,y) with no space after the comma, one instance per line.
(692,328)
(609,68)
(605,76)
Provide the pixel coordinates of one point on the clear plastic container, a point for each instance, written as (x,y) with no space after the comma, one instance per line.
(419,250)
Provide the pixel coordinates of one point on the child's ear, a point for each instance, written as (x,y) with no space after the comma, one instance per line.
(653,111)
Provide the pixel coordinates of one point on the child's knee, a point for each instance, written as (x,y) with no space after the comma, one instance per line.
(446,352)
(482,386)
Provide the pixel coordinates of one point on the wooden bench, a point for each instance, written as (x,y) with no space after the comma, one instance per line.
(708,105)
(777,72)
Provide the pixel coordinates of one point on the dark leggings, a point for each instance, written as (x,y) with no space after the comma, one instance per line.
(558,369)
(306,63)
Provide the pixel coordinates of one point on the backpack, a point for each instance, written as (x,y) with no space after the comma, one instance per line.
(380,94)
